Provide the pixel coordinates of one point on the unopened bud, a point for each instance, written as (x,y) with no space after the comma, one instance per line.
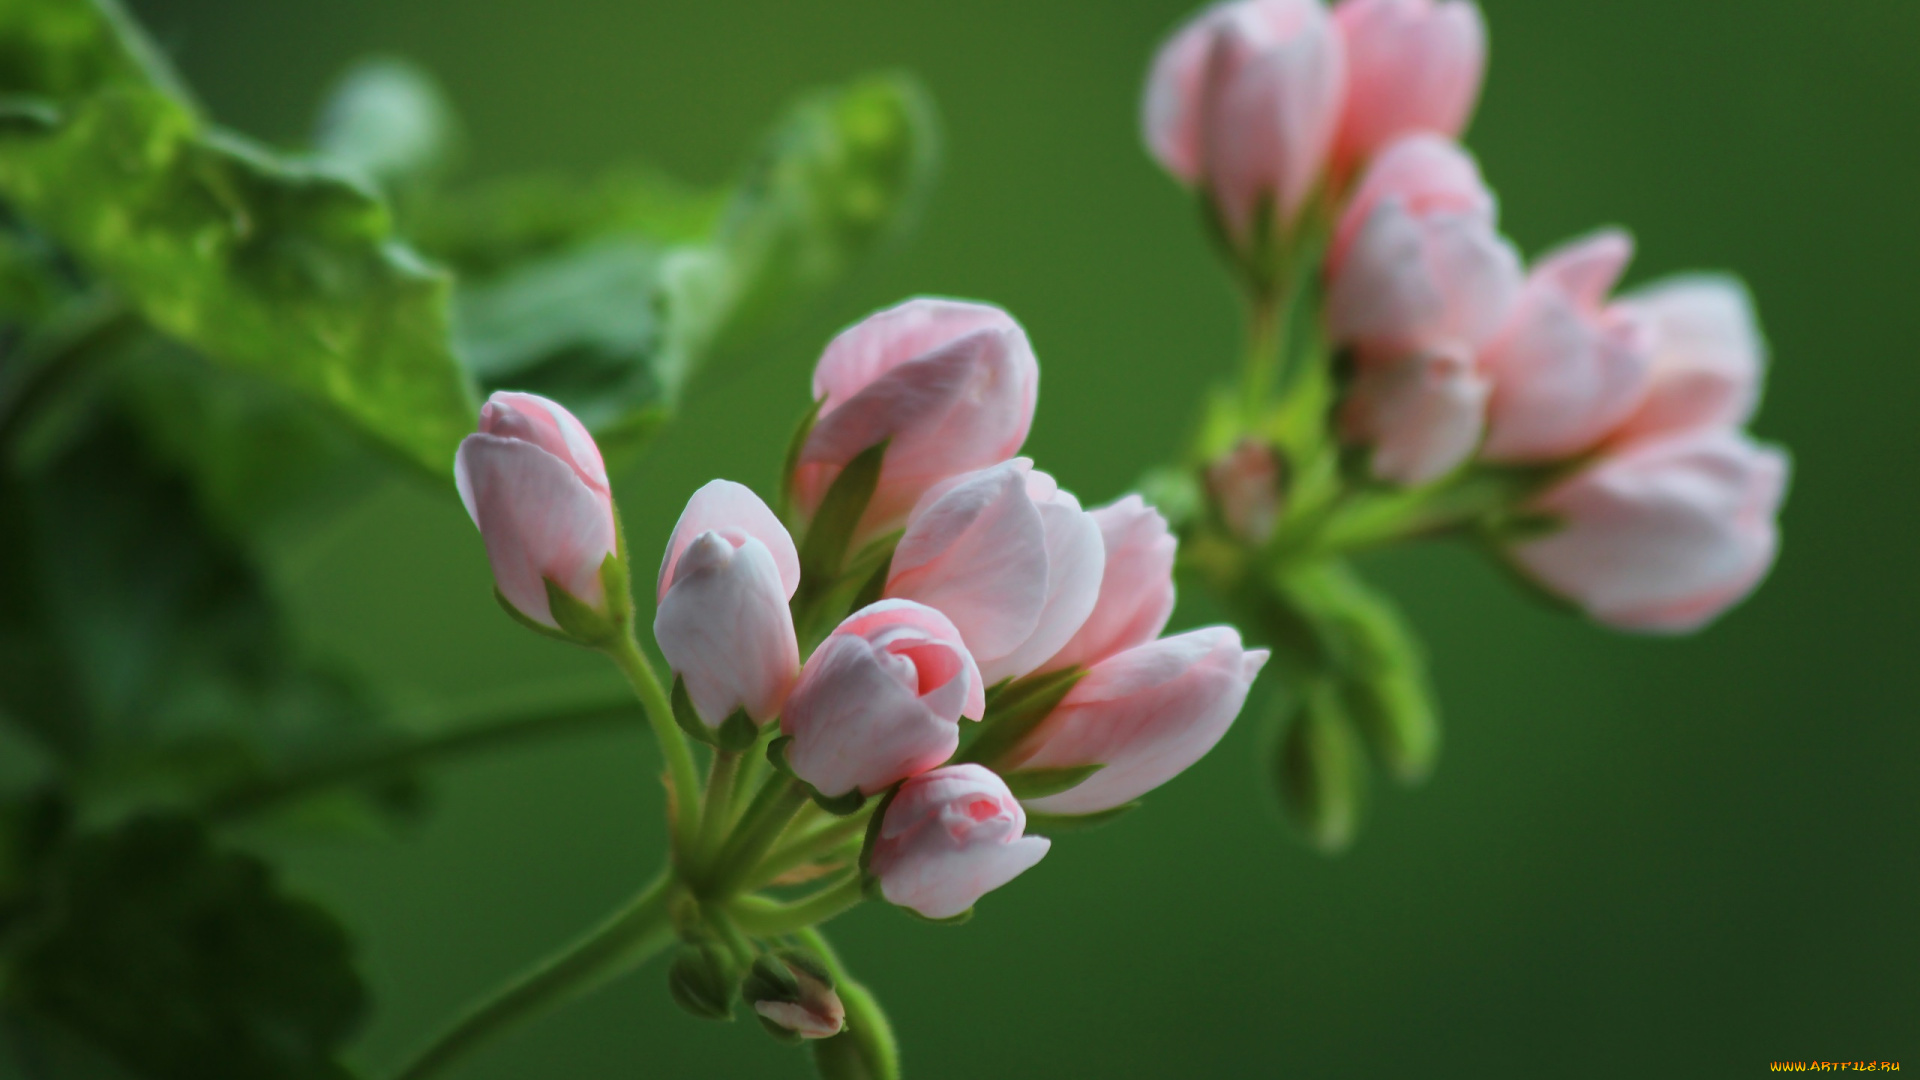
(701,981)
(1245,485)
(794,996)
(1318,770)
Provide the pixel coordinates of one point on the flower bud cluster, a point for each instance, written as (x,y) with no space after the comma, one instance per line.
(1291,117)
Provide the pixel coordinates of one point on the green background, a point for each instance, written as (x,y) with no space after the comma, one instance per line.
(1664,857)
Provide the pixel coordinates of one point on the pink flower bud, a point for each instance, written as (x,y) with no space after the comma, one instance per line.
(951,384)
(1422,415)
(723,622)
(1567,368)
(533,482)
(1136,588)
(1708,356)
(1146,714)
(1244,100)
(881,699)
(950,837)
(1009,557)
(1412,66)
(1245,485)
(804,1003)
(1665,535)
(1417,264)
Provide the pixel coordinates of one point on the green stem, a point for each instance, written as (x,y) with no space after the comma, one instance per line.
(623,942)
(1266,344)
(717,812)
(807,848)
(673,743)
(771,918)
(258,796)
(772,810)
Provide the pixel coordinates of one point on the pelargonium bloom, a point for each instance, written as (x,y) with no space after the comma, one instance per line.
(881,699)
(1709,356)
(1136,587)
(1145,715)
(950,386)
(534,484)
(1412,66)
(1665,535)
(949,837)
(723,623)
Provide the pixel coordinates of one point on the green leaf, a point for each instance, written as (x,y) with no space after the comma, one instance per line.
(1049,824)
(387,122)
(286,268)
(1039,783)
(1319,770)
(183,962)
(1016,711)
(138,645)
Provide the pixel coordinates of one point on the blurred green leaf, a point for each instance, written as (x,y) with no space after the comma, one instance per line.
(139,646)
(287,268)
(176,961)
(390,124)
(1319,769)
(608,297)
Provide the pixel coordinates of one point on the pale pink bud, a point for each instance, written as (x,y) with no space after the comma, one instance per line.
(533,482)
(723,623)
(1567,368)
(1412,66)
(1136,588)
(1009,557)
(815,1011)
(1245,484)
(1417,262)
(1422,415)
(1665,535)
(1708,356)
(881,699)
(952,385)
(1146,715)
(950,837)
(1244,100)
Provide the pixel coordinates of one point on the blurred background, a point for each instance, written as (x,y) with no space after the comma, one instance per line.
(1675,857)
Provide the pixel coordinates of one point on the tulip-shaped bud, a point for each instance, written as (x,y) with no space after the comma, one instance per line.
(1708,356)
(881,699)
(1244,101)
(1665,535)
(1145,715)
(1417,263)
(533,482)
(949,387)
(1568,367)
(1422,415)
(793,993)
(949,837)
(1009,557)
(1136,588)
(1245,485)
(1412,66)
(723,623)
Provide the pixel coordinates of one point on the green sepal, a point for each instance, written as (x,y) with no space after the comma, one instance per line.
(869,884)
(615,580)
(588,625)
(808,964)
(1319,770)
(769,979)
(1016,711)
(840,805)
(737,732)
(878,556)
(1039,783)
(702,981)
(687,717)
(824,551)
(951,920)
(782,1034)
(529,622)
(795,444)
(1059,823)
(777,755)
